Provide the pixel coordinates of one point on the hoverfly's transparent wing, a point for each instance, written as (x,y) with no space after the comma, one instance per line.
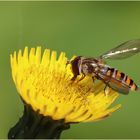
(124,50)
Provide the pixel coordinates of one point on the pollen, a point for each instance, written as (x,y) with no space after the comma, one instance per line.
(43,81)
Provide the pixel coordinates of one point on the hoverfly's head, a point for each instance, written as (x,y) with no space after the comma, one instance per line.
(75,65)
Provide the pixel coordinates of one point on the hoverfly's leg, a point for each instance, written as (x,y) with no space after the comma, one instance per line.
(82,77)
(94,76)
(93,79)
(74,77)
(106,89)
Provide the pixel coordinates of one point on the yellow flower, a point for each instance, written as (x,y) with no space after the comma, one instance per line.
(44,82)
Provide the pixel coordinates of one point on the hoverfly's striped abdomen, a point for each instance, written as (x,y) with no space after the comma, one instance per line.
(131,83)
(123,78)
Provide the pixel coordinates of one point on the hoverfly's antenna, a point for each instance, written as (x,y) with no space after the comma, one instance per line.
(68,62)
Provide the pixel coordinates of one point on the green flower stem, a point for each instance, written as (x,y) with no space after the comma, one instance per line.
(33,125)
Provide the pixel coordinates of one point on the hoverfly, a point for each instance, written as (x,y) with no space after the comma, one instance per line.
(96,68)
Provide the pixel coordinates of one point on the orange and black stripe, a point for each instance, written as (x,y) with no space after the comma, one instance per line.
(119,75)
(112,72)
(126,79)
(131,83)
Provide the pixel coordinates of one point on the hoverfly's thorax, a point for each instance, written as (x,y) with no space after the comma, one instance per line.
(89,66)
(85,69)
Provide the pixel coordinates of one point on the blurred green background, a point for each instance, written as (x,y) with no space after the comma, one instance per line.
(81,28)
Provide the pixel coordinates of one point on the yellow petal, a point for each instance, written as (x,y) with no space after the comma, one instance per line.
(44,82)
